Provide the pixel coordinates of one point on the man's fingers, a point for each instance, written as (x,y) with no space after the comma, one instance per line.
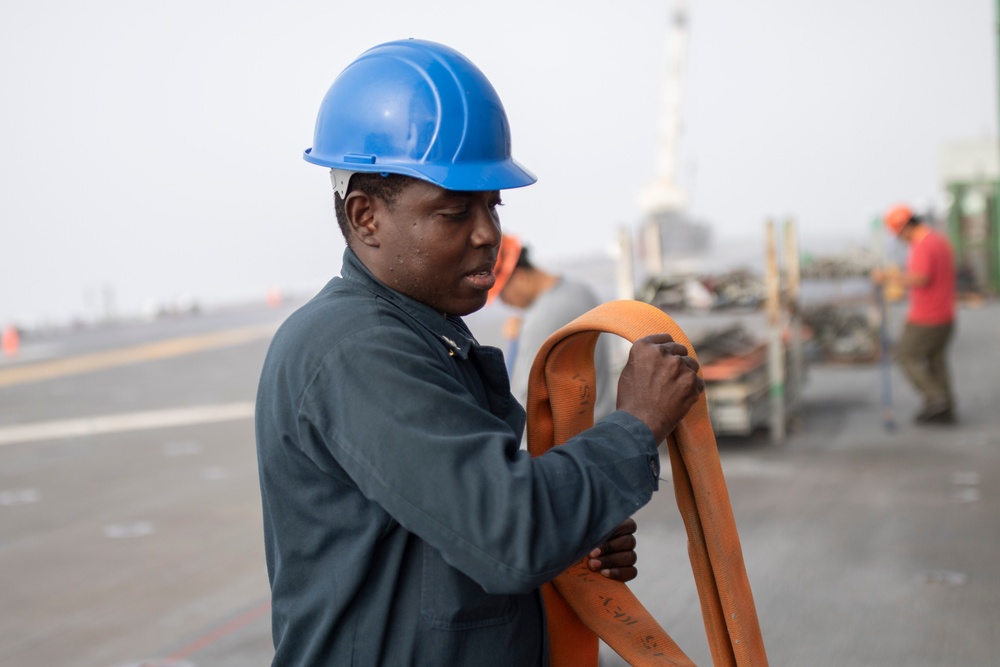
(658,339)
(622,539)
(620,543)
(669,347)
(623,574)
(675,349)
(614,559)
(617,559)
(626,527)
(691,363)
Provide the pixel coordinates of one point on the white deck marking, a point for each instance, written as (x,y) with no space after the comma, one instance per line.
(130,421)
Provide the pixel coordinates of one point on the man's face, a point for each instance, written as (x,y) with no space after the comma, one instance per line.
(438,246)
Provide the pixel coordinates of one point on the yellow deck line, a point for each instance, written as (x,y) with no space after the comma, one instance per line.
(86,363)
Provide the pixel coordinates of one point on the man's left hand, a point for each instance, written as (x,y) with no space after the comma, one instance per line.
(615,557)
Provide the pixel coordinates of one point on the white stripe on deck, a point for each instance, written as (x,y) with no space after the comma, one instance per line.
(131,421)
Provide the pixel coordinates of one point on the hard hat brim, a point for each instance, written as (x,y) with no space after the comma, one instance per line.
(466,176)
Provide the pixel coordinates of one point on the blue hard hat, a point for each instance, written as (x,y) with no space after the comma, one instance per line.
(420,109)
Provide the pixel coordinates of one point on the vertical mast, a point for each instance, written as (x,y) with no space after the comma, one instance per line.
(663,194)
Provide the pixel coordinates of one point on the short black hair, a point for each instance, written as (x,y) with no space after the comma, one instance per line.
(384,186)
(523,260)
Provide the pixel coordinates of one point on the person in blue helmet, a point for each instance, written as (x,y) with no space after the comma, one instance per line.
(403,525)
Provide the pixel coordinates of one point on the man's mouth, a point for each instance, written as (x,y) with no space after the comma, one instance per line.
(483,279)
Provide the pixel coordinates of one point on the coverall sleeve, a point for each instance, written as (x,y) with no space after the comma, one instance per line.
(416,441)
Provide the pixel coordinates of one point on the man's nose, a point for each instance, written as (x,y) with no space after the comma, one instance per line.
(487,230)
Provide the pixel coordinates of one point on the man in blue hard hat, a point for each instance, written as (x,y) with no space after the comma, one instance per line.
(402,523)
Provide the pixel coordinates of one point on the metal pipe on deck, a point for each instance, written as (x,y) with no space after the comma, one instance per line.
(794,309)
(775,350)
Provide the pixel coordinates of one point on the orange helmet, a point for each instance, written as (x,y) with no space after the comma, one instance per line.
(510,252)
(898,217)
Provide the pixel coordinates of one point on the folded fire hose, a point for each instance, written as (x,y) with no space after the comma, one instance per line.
(583,606)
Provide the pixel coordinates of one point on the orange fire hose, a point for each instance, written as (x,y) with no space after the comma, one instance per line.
(581,605)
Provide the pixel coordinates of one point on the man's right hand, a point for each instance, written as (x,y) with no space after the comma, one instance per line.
(659,384)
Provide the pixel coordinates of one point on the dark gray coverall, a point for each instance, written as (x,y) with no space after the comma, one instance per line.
(402,523)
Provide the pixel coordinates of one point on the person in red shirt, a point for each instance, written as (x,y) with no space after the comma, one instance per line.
(930,277)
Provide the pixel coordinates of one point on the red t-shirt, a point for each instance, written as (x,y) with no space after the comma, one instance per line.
(934,303)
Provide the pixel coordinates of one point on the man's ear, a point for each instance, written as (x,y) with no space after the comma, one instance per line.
(362,222)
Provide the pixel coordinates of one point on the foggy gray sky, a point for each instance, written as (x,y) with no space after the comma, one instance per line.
(155,148)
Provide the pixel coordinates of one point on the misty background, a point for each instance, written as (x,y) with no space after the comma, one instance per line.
(150,153)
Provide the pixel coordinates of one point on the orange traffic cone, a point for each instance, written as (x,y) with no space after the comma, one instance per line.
(10,341)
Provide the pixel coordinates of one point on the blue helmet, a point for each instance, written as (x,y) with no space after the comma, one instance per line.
(420,109)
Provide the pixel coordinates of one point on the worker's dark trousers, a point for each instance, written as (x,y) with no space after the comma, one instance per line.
(922,354)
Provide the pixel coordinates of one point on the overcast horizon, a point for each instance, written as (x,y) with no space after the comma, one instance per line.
(153,152)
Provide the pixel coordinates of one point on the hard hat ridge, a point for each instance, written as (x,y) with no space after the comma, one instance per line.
(420,109)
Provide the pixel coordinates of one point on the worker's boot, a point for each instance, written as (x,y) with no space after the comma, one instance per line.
(936,412)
